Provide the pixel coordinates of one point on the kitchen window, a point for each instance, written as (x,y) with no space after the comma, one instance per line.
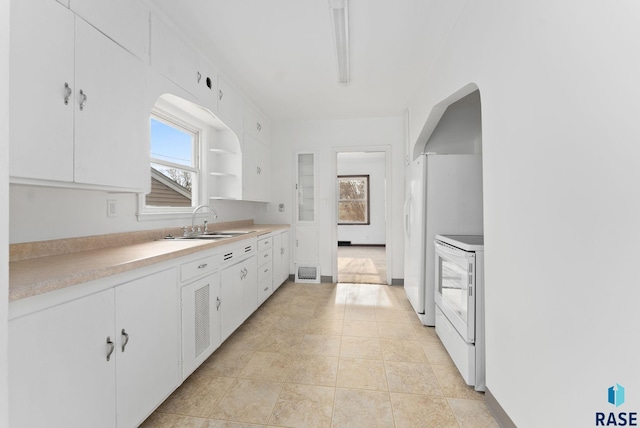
(353,199)
(175,146)
(174,166)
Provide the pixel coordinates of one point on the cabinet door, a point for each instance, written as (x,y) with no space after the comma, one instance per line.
(111,126)
(231,312)
(250,287)
(124,21)
(277,261)
(147,345)
(60,376)
(257,125)
(256,171)
(230,109)
(41,63)
(200,321)
(172,57)
(285,258)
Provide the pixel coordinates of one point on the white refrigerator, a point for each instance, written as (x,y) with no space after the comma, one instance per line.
(444,197)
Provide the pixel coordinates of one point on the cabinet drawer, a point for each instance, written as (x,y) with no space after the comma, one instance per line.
(265,243)
(264,291)
(199,267)
(265,257)
(265,274)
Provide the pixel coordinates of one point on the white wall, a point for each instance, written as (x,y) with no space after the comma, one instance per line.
(39,214)
(4,206)
(560,90)
(373,165)
(459,131)
(322,136)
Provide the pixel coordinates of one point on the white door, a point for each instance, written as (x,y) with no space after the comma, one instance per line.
(147,345)
(60,375)
(42,78)
(111,126)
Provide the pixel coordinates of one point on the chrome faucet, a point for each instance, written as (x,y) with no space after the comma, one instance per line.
(193,218)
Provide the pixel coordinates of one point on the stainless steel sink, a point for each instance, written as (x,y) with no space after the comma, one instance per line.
(214,235)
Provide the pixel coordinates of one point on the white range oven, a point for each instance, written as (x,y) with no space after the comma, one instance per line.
(459,297)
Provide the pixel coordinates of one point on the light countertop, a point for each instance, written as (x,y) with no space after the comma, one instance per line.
(32,276)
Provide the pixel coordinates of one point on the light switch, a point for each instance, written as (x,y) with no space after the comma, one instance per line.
(112,208)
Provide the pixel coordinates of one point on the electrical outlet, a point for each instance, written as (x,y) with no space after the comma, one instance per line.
(112,208)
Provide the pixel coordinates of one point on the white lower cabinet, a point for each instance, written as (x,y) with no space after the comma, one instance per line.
(102,360)
(147,345)
(239,291)
(59,374)
(201,304)
(280,259)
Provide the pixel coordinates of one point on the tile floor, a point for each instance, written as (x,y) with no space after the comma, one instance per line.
(327,355)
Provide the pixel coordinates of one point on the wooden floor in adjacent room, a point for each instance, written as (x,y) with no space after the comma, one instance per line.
(362,264)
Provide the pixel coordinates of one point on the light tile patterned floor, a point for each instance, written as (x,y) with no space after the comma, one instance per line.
(327,355)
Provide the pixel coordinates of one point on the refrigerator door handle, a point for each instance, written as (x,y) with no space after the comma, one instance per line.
(407,232)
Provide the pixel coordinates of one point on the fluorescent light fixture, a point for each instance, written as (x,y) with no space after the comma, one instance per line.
(340,23)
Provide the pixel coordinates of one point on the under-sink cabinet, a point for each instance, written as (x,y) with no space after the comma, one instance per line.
(103,360)
(200,304)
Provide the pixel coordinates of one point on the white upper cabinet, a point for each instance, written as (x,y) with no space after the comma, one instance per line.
(256,171)
(111,135)
(175,59)
(42,91)
(230,107)
(257,125)
(76,99)
(124,21)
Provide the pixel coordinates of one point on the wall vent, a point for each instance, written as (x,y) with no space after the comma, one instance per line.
(202,320)
(308,273)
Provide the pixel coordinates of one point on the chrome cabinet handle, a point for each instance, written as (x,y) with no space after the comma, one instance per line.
(220,94)
(198,76)
(266,255)
(218,302)
(67,93)
(83,99)
(126,339)
(258,126)
(202,266)
(266,288)
(112,346)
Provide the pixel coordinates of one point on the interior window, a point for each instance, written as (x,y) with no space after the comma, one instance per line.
(174,164)
(353,199)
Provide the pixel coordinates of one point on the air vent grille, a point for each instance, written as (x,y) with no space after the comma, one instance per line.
(307,273)
(202,318)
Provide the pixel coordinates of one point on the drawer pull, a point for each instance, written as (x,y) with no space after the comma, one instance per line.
(266,288)
(202,266)
(126,339)
(112,346)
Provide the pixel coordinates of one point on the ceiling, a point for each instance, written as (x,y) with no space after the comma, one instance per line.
(279,52)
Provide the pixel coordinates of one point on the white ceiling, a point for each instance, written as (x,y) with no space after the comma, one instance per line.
(279,52)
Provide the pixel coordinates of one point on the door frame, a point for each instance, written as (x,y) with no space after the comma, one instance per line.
(387,149)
